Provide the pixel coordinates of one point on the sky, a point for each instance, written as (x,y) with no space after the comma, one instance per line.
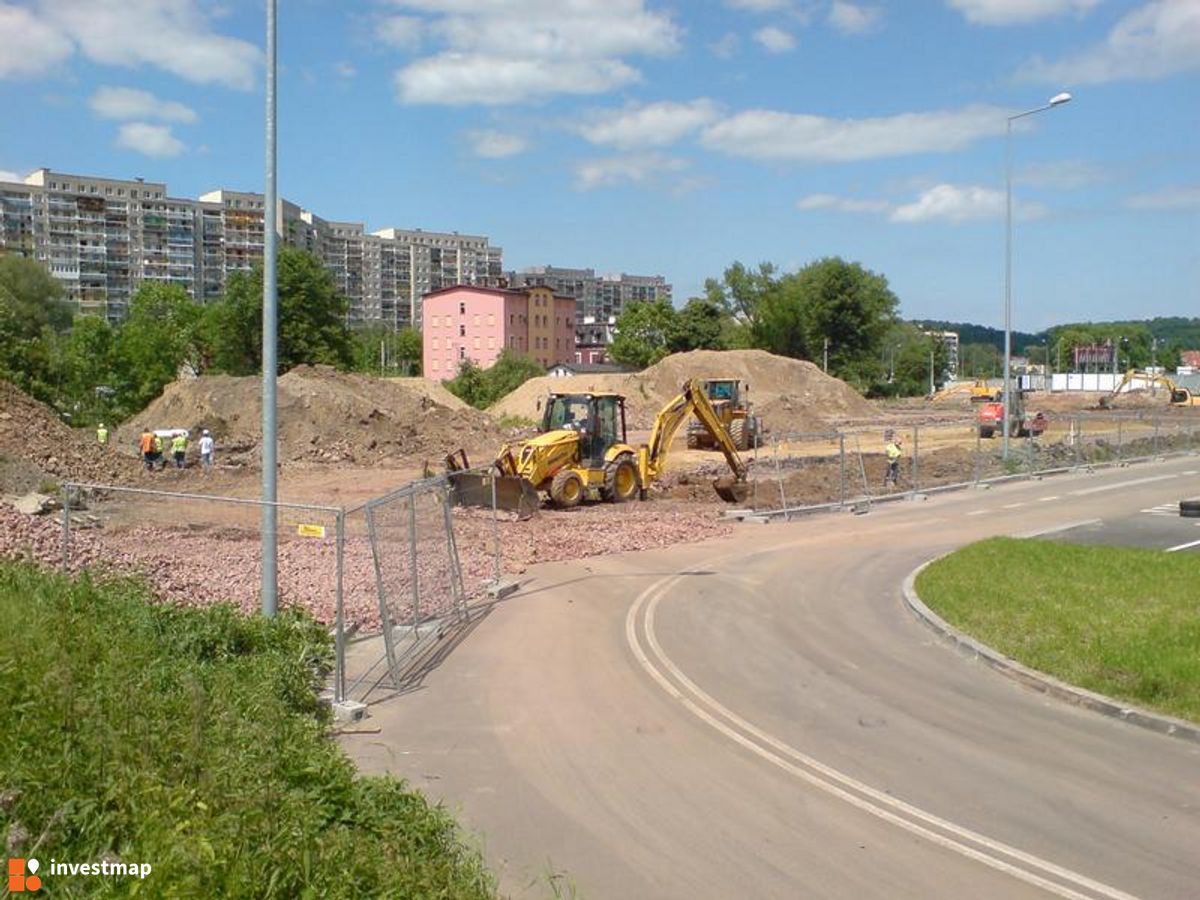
(668,138)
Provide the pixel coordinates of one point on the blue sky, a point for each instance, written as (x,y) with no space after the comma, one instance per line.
(673,138)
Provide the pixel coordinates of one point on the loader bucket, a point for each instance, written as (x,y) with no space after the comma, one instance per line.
(511,493)
(731,490)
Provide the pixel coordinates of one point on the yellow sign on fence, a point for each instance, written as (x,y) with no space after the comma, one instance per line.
(310,530)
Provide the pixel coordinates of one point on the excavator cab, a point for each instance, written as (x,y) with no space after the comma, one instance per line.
(598,418)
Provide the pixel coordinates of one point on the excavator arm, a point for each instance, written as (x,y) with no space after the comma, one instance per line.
(652,458)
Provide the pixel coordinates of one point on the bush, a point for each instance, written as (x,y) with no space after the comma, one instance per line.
(193,740)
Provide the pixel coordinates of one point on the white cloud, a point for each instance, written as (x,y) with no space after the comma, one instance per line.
(634,168)
(173,35)
(1157,40)
(404,32)
(151,140)
(842,204)
(6,175)
(496,144)
(1018,12)
(457,79)
(1184,197)
(576,47)
(1063,175)
(759,5)
(649,125)
(767,134)
(131,103)
(775,40)
(960,203)
(31,46)
(726,46)
(850,18)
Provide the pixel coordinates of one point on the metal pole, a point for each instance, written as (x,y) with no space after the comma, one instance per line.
(66,528)
(339,672)
(916,466)
(842,466)
(1007,277)
(496,530)
(270,363)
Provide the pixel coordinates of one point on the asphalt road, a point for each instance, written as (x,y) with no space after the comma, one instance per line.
(761,717)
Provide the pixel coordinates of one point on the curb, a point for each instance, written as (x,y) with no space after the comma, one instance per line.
(1039,681)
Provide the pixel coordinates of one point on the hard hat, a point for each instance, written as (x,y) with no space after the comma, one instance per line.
(205,431)
(101,425)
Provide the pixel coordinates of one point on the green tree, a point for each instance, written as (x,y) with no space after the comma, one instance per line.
(906,355)
(483,387)
(741,290)
(469,385)
(312,327)
(88,366)
(843,302)
(160,336)
(980,361)
(32,315)
(704,323)
(644,331)
(378,348)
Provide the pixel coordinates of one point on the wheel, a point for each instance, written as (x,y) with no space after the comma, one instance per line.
(566,489)
(986,431)
(737,432)
(693,440)
(620,480)
(1189,509)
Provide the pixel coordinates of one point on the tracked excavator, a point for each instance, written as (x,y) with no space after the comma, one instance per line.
(582,453)
(1179,395)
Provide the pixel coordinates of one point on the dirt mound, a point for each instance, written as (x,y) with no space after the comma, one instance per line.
(790,394)
(323,416)
(36,444)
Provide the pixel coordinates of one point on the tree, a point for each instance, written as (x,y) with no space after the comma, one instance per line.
(483,387)
(379,349)
(88,365)
(644,330)
(312,313)
(469,385)
(32,314)
(906,357)
(160,336)
(702,324)
(830,299)
(980,361)
(741,290)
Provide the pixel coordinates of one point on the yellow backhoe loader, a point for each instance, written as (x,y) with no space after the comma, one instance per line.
(1179,395)
(582,453)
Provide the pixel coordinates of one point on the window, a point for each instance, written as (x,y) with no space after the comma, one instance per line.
(475,320)
(511,318)
(462,352)
(462,309)
(476,343)
(491,319)
(491,343)
(462,330)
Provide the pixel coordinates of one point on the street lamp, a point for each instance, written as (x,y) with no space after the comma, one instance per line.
(1056,100)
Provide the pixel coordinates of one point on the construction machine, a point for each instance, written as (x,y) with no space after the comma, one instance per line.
(982,392)
(1178,395)
(728,397)
(582,452)
(1020,423)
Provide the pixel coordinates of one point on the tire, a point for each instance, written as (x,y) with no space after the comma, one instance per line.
(566,489)
(737,432)
(621,480)
(693,440)
(986,431)
(1189,509)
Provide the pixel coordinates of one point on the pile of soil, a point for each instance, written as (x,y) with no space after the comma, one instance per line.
(790,394)
(323,416)
(36,446)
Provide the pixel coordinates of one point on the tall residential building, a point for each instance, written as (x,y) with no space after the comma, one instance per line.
(103,237)
(601,297)
(477,323)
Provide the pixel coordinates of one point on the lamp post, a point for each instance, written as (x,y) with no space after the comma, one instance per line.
(270,545)
(1056,100)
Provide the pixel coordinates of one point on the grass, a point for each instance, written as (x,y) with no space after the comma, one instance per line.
(510,421)
(1119,621)
(193,740)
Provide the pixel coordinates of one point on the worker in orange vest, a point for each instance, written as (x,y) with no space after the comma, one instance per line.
(146,447)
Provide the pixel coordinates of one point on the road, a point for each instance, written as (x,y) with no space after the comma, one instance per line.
(762,717)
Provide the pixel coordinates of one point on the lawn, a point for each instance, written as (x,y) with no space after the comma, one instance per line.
(192,740)
(1122,622)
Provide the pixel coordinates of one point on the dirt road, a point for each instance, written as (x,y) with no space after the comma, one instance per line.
(761,716)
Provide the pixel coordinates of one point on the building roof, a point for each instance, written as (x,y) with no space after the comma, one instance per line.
(499,292)
(593,368)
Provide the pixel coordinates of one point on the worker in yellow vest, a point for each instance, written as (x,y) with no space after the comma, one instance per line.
(101,435)
(179,448)
(158,451)
(893,448)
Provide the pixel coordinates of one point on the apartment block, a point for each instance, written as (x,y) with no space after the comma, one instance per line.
(601,297)
(103,237)
(476,323)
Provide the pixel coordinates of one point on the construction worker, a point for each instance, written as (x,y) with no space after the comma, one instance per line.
(893,448)
(179,448)
(158,451)
(146,448)
(101,435)
(206,451)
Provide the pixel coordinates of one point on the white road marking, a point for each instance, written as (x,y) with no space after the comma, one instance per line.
(977,512)
(1120,484)
(939,831)
(1047,499)
(1012,505)
(1191,472)
(1184,546)
(1055,529)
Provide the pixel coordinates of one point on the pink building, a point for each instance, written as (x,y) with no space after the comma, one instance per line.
(468,322)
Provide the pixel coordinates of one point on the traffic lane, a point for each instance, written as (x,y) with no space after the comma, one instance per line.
(831,664)
(546,738)
(1175,534)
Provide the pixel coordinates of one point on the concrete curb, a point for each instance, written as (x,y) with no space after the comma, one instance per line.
(1040,681)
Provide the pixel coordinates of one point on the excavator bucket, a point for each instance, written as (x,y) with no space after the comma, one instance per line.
(511,493)
(731,490)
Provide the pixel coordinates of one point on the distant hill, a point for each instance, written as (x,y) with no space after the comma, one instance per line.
(981,334)
(1168,329)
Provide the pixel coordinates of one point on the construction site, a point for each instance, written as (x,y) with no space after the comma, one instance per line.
(798,439)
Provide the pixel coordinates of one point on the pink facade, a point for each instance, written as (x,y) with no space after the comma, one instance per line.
(476,323)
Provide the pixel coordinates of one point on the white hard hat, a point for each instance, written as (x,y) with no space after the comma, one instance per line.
(206,431)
